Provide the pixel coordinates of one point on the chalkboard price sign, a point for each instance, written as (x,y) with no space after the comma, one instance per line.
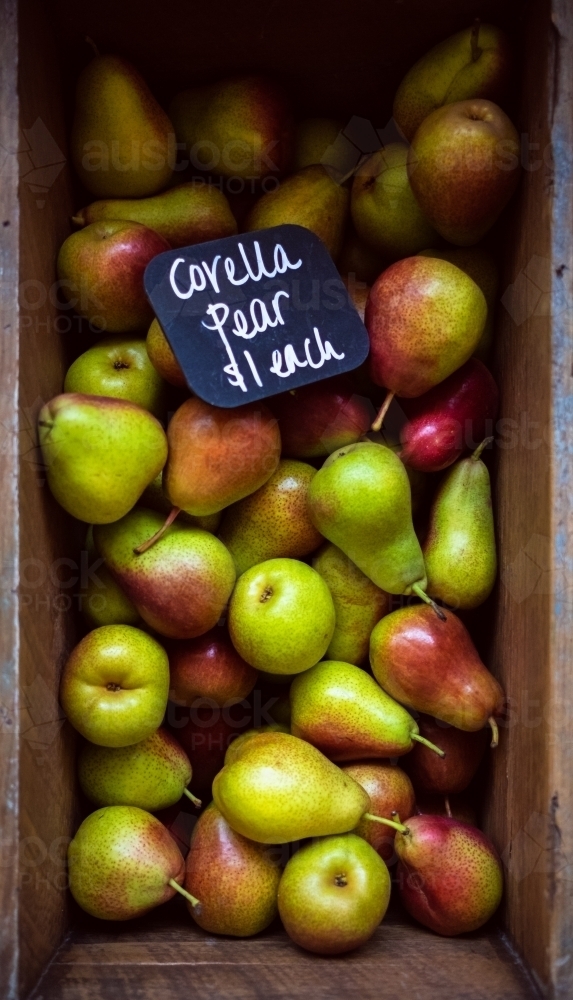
(253,315)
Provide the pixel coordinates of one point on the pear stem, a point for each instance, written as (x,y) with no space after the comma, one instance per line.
(93,46)
(387,822)
(191,899)
(158,534)
(428,600)
(448,807)
(426,743)
(494,732)
(196,802)
(477,453)
(377,425)
(474,37)
(77,220)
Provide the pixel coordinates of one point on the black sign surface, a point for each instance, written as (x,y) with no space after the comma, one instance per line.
(253,315)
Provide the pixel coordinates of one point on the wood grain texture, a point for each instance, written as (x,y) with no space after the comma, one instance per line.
(9,701)
(166,956)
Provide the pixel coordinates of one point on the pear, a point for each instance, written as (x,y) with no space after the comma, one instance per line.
(189,213)
(391,793)
(121,369)
(309,198)
(281,616)
(475,62)
(180,585)
(100,454)
(463,166)
(161,355)
(239,127)
(343,712)
(433,775)
(384,211)
(205,733)
(280,788)
(153,497)
(480,266)
(333,894)
(218,456)
(312,139)
(122,862)
(234,749)
(358,604)
(424,317)
(449,875)
(432,666)
(122,141)
(103,602)
(153,774)
(274,521)
(208,668)
(100,269)
(236,879)
(459,550)
(359,265)
(360,500)
(114,686)
(316,419)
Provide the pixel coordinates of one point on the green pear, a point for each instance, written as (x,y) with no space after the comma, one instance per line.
(234,748)
(122,142)
(103,602)
(280,788)
(480,266)
(274,521)
(121,369)
(236,879)
(281,616)
(100,454)
(333,894)
(384,210)
(153,774)
(154,498)
(189,213)
(473,63)
(122,862)
(309,198)
(345,714)
(181,584)
(360,500)
(239,127)
(312,138)
(459,550)
(115,685)
(358,604)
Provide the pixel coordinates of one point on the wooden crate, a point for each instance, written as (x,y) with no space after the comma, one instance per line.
(343,58)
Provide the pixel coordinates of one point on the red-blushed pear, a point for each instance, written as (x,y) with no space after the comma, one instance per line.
(122,142)
(206,732)
(218,456)
(274,522)
(475,62)
(101,273)
(114,686)
(391,794)
(449,874)
(464,751)
(100,454)
(316,419)
(345,714)
(123,862)
(208,667)
(161,355)
(153,774)
(180,585)
(333,894)
(432,666)
(153,497)
(236,879)
(454,415)
(463,166)
(425,318)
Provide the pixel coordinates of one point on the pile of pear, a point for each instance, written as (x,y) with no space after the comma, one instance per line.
(293,550)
